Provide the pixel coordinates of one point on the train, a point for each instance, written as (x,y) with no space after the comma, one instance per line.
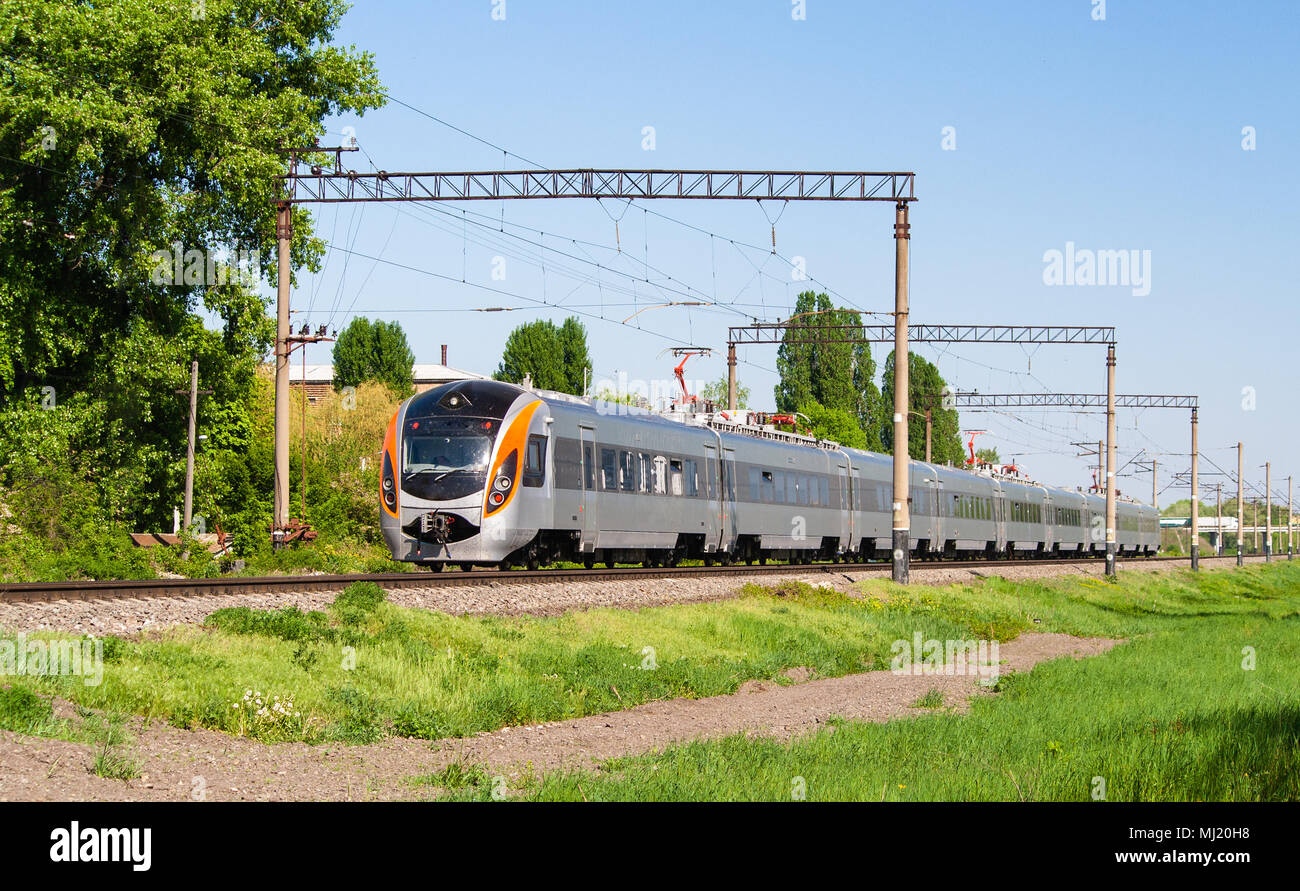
(489,473)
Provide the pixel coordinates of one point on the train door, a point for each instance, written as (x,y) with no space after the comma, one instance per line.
(587,509)
(729,524)
(937,524)
(714,484)
(846,506)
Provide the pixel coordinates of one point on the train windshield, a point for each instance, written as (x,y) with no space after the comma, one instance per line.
(446,452)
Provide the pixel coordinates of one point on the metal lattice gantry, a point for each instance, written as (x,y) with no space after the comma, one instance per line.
(776,332)
(975,400)
(310,182)
(791,332)
(332,186)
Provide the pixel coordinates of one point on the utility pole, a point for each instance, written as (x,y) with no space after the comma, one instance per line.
(1290,518)
(902,514)
(1268,512)
(1196,501)
(1241,511)
(1155,490)
(1254,525)
(283,235)
(1110,460)
(194,392)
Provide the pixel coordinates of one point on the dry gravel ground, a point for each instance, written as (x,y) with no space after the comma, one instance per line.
(129,616)
(205,765)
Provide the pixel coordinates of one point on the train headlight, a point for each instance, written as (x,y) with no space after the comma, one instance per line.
(505,480)
(388,487)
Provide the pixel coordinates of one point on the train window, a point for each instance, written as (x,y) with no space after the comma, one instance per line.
(754,478)
(627,471)
(802,483)
(660,474)
(675,476)
(791,488)
(824,492)
(535,461)
(647,474)
(767,486)
(692,484)
(608,470)
(588,467)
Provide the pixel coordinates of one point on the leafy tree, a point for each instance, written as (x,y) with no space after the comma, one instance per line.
(134,143)
(988,456)
(374,351)
(834,375)
(925,388)
(716,392)
(835,424)
(555,356)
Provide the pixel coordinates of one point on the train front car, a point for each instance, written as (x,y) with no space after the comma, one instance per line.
(456,463)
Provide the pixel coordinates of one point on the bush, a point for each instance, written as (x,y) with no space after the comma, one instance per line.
(357,602)
(23,711)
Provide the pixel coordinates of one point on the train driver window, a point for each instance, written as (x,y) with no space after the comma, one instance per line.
(535,461)
(660,475)
(608,470)
(675,476)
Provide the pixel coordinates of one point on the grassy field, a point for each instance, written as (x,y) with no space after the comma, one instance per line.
(367,669)
(1168,717)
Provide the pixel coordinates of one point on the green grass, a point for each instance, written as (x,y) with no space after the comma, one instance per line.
(1168,717)
(367,669)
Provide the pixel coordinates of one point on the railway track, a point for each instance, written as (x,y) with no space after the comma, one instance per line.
(150,588)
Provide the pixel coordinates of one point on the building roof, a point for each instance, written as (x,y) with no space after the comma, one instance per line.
(422,374)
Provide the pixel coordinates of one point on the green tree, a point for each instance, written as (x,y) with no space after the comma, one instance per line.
(716,392)
(925,389)
(834,424)
(987,456)
(834,375)
(135,143)
(374,351)
(555,356)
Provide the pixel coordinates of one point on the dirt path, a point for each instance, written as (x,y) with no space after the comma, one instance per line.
(206,765)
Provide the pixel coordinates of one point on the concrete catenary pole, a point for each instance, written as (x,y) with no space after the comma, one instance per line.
(1155,491)
(731,377)
(1290,518)
(1196,501)
(1268,511)
(902,514)
(189,449)
(1110,460)
(1241,511)
(280,515)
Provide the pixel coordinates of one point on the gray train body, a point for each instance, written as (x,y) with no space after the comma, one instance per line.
(483,472)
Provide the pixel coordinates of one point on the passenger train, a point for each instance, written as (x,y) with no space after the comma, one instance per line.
(482,472)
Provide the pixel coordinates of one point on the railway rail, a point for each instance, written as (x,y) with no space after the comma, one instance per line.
(150,588)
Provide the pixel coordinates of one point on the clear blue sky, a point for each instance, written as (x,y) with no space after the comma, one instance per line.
(1122,134)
